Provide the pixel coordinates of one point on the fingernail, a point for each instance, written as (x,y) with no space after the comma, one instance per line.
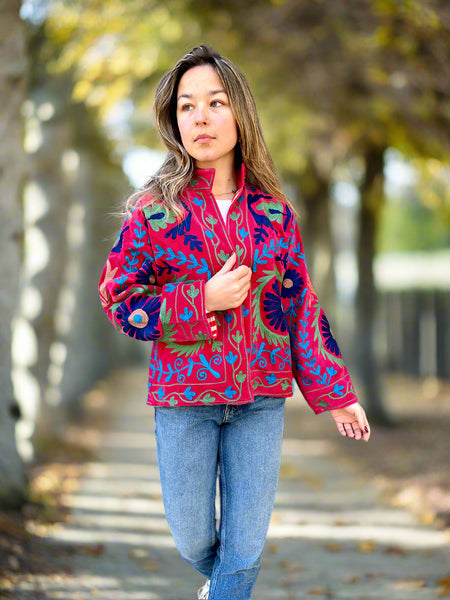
(366,429)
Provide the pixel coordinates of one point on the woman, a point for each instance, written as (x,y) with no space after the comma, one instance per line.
(210,265)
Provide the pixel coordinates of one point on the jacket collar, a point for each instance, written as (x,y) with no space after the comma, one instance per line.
(203,179)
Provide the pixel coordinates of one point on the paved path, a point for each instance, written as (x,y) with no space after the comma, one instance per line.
(331,537)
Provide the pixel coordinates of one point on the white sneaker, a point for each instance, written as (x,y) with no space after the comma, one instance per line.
(203,592)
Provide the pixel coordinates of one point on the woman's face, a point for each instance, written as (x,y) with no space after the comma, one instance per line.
(205,120)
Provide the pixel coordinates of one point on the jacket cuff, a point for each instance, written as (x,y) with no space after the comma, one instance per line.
(183,314)
(324,401)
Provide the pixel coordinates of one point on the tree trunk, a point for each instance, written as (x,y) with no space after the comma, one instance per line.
(94,347)
(12,90)
(371,192)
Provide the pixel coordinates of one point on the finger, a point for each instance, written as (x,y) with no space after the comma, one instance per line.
(341,429)
(349,430)
(357,432)
(228,264)
(363,424)
(243,272)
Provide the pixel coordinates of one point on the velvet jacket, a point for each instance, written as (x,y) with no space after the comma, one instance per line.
(153,288)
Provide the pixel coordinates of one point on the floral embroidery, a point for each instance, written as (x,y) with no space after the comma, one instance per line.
(274,310)
(153,288)
(140,318)
(118,245)
(158,216)
(327,336)
(292,284)
(146,274)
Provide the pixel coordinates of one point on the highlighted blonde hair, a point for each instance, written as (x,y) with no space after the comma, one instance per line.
(177,169)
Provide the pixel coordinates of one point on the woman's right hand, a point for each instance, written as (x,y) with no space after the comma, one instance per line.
(227,288)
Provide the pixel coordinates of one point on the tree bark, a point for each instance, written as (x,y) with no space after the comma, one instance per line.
(12,91)
(371,199)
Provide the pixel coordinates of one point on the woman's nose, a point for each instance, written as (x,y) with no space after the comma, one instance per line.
(200,116)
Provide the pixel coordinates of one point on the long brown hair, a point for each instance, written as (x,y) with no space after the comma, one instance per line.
(177,169)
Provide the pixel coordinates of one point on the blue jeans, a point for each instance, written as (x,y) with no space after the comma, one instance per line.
(243,444)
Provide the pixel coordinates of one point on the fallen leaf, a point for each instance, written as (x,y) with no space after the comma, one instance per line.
(395,551)
(317,591)
(291,567)
(443,587)
(366,546)
(333,547)
(5,583)
(152,565)
(289,471)
(351,579)
(95,550)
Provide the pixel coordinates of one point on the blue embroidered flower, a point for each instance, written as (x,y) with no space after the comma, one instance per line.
(186,314)
(327,336)
(292,284)
(231,358)
(119,242)
(274,310)
(146,274)
(189,393)
(140,318)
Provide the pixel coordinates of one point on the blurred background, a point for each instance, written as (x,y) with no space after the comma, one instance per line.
(354,99)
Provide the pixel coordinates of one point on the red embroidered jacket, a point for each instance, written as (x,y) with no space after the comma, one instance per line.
(153,288)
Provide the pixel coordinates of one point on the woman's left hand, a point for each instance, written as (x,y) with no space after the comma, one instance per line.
(351,421)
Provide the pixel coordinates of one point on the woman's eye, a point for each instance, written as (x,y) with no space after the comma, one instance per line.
(186,107)
(216,103)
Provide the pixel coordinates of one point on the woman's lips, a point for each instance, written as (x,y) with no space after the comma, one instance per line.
(203,139)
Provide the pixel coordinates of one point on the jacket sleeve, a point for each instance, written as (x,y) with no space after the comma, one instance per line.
(134,301)
(317,363)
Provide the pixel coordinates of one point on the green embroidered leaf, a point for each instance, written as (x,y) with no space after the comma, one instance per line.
(323,404)
(273,210)
(234,216)
(173,401)
(239,251)
(217,346)
(237,337)
(285,384)
(193,292)
(208,399)
(165,315)
(186,349)
(158,216)
(211,220)
(167,327)
(114,307)
(224,256)
(241,377)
